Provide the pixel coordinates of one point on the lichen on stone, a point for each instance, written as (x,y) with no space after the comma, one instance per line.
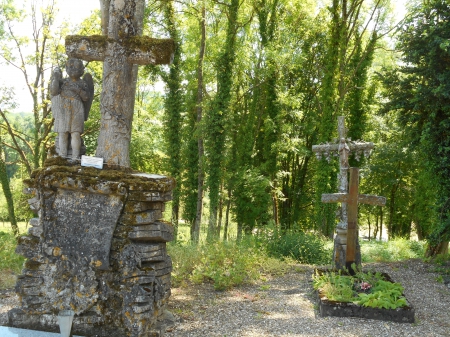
(100,41)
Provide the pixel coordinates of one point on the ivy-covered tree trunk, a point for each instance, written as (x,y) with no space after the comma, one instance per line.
(348,57)
(325,175)
(267,15)
(195,236)
(218,113)
(424,110)
(4,180)
(173,105)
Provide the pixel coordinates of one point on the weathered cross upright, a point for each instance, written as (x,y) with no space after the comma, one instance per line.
(346,249)
(121,48)
(352,199)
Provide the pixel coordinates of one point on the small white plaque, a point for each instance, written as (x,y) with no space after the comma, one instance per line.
(92,162)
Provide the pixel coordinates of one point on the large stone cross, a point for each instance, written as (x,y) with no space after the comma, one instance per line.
(121,48)
(352,199)
(343,147)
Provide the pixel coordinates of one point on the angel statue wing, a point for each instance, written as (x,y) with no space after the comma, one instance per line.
(87,78)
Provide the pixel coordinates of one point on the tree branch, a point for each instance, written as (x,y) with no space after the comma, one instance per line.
(18,148)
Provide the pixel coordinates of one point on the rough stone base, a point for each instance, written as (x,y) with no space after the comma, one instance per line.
(80,325)
(340,253)
(336,309)
(97,247)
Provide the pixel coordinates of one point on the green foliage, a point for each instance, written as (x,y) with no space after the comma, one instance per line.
(10,262)
(8,258)
(335,286)
(145,148)
(366,289)
(441,259)
(251,199)
(385,295)
(21,207)
(418,92)
(225,264)
(393,250)
(441,264)
(308,248)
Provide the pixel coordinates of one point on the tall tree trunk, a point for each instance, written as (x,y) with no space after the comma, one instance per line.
(381,223)
(219,221)
(173,104)
(227,216)
(201,176)
(218,113)
(8,195)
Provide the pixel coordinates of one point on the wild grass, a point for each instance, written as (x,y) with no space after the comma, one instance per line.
(224,263)
(230,263)
(10,262)
(393,250)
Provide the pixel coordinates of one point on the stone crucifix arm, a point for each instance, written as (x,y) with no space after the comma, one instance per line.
(362,199)
(139,50)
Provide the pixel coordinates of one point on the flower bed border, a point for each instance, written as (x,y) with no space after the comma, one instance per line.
(345,309)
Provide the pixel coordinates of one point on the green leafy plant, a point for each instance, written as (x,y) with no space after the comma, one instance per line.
(224,264)
(364,288)
(397,249)
(303,247)
(10,262)
(385,294)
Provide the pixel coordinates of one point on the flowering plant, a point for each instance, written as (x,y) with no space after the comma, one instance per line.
(365,286)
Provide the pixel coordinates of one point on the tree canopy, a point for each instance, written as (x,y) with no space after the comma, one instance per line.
(253,85)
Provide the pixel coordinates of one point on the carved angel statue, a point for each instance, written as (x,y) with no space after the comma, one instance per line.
(71,102)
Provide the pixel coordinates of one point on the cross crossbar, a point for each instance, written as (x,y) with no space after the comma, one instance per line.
(140,50)
(335,147)
(362,199)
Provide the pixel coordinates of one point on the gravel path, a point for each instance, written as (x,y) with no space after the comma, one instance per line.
(285,306)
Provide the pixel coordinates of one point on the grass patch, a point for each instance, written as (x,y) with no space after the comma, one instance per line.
(225,264)
(10,262)
(308,248)
(392,250)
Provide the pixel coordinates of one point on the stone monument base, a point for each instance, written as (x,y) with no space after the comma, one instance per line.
(340,250)
(339,309)
(97,247)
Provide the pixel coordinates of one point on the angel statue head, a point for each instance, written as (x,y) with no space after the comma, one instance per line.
(74,68)
(71,102)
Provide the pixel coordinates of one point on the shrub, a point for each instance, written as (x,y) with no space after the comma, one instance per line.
(394,250)
(305,248)
(8,258)
(10,262)
(184,259)
(225,264)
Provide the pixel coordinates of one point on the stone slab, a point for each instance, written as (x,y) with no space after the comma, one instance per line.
(84,225)
(336,309)
(343,309)
(6,331)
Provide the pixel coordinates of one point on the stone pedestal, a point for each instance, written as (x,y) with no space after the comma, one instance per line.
(340,249)
(98,248)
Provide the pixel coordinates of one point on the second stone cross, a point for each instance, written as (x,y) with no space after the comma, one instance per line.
(346,245)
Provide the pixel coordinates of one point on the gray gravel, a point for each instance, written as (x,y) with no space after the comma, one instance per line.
(285,306)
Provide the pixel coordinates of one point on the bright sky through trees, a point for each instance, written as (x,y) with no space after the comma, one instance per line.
(75,12)
(70,11)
